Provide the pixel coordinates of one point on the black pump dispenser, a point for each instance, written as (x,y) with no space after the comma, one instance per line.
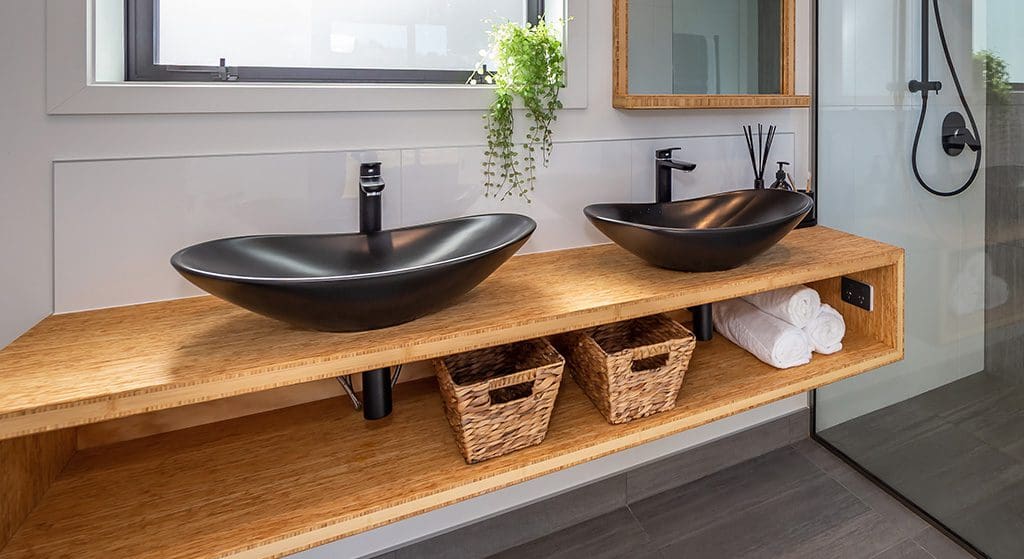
(782,180)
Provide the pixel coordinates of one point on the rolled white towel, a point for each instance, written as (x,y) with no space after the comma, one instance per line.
(796,305)
(770,339)
(826,331)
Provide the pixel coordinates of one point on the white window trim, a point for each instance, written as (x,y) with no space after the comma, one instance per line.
(72,87)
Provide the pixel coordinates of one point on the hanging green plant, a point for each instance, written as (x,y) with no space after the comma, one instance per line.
(531,67)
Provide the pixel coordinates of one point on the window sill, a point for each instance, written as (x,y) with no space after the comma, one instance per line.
(170,97)
(72,87)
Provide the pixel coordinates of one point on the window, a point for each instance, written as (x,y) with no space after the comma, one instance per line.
(360,41)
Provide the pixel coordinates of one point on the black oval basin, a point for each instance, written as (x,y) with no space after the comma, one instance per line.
(354,282)
(708,234)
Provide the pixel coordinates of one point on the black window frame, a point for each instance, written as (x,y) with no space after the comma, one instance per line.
(140,46)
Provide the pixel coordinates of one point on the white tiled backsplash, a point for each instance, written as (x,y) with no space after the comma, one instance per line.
(117,222)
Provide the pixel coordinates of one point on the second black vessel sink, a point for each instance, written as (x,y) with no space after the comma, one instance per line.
(708,234)
(355,281)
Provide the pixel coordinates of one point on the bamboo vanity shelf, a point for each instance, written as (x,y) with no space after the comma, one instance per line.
(274,483)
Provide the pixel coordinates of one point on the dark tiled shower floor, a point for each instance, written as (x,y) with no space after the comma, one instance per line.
(958,452)
(795,502)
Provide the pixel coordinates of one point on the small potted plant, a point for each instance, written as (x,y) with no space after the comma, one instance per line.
(531,68)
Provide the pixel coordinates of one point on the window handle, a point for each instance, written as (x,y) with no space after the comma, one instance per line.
(221,72)
(224,73)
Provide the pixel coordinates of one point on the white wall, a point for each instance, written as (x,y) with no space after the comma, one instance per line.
(869,52)
(118,221)
(31,141)
(131,188)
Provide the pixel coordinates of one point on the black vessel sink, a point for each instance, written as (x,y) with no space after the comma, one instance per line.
(354,282)
(708,234)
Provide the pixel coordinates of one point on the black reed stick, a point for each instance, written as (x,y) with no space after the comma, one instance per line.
(767,151)
(748,133)
(760,149)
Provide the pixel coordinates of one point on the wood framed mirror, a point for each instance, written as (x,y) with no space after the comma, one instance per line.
(704,54)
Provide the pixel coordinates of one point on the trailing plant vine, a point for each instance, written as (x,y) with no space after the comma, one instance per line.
(531,67)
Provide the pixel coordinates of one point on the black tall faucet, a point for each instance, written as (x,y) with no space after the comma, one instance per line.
(664,164)
(703,327)
(371,189)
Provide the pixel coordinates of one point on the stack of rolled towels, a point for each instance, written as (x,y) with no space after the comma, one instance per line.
(781,327)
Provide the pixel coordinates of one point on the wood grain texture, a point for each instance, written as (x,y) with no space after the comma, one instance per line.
(283,481)
(28,465)
(94,366)
(680,101)
(887,319)
(786,98)
(172,419)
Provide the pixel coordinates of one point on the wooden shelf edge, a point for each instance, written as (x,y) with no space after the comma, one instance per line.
(169,394)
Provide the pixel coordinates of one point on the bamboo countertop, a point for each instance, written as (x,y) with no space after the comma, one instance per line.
(283,481)
(93,366)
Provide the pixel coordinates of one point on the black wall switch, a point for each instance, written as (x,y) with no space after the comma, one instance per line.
(858,294)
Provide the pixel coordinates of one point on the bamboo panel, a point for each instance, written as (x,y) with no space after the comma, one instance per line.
(95,366)
(27,467)
(283,481)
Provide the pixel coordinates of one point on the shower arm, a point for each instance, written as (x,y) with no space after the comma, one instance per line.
(924,85)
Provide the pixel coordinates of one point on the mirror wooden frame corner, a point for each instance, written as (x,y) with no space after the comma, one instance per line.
(622,99)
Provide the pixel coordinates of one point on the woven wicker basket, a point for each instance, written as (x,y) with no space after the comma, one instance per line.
(630,369)
(499,399)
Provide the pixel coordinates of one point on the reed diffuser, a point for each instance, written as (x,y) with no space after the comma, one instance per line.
(759,157)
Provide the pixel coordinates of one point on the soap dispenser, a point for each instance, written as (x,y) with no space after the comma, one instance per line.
(782,179)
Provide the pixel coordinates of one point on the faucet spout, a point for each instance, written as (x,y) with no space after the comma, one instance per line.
(664,164)
(684,166)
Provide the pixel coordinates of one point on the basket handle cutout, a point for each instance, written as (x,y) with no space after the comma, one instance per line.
(650,363)
(511,393)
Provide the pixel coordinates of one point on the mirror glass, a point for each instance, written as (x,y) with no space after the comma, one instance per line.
(705,47)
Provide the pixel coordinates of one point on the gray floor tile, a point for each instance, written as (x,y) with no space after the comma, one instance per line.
(998,421)
(820,456)
(522,525)
(958,452)
(680,469)
(899,517)
(995,526)
(946,470)
(672,515)
(881,432)
(802,522)
(863,537)
(907,549)
(965,396)
(612,536)
(939,546)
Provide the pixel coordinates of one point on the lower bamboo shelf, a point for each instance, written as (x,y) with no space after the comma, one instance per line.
(283,481)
